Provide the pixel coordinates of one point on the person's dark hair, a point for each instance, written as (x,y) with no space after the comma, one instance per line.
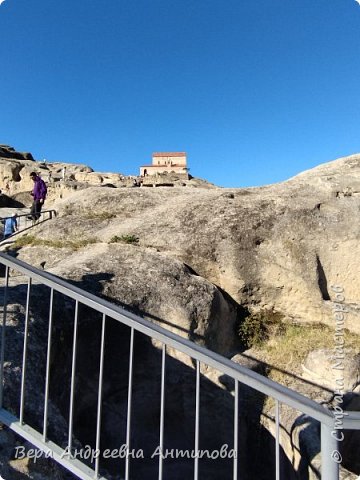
(33,174)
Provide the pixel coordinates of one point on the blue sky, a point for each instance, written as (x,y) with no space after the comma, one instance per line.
(253,91)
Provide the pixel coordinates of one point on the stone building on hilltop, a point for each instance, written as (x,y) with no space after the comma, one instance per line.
(166,162)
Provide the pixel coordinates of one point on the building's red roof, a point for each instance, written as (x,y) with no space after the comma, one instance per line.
(169,154)
(163,166)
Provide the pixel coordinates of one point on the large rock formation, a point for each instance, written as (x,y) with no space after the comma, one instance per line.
(198,261)
(65,178)
(287,247)
(9,152)
(15,168)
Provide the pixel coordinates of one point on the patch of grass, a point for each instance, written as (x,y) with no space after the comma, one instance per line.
(71,209)
(298,340)
(76,244)
(33,241)
(286,349)
(99,215)
(258,327)
(286,352)
(130,239)
(25,240)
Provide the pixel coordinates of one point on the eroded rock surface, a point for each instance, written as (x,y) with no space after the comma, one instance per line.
(287,247)
(197,261)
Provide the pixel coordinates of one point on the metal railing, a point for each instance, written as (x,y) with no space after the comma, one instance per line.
(24,221)
(169,341)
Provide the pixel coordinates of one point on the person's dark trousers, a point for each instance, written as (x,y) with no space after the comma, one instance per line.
(36,209)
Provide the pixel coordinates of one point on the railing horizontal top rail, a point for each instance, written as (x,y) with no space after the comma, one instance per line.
(19,215)
(262,384)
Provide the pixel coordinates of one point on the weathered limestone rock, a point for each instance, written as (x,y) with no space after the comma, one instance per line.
(95,178)
(9,152)
(64,178)
(324,368)
(159,288)
(204,254)
(287,247)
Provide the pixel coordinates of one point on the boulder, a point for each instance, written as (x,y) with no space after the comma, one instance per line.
(157,287)
(333,369)
(9,152)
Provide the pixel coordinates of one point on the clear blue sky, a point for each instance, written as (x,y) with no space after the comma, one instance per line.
(254,91)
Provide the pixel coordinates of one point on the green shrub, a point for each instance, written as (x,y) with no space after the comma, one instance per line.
(130,239)
(258,327)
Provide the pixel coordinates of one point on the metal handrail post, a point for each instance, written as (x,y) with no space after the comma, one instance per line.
(162,411)
(129,405)
(236,430)
(48,357)
(73,368)
(23,372)
(330,456)
(2,354)
(277,440)
(197,421)
(100,391)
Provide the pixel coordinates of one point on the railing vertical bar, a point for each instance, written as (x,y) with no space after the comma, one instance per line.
(330,455)
(2,353)
(72,389)
(277,440)
(236,429)
(162,412)
(128,420)
(197,421)
(99,406)
(48,357)
(23,373)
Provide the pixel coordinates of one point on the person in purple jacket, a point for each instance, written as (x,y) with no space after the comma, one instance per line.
(39,194)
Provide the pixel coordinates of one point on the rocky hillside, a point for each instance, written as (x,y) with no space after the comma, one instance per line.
(232,269)
(65,178)
(276,248)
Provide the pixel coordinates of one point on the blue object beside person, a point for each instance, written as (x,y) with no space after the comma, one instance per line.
(10,226)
